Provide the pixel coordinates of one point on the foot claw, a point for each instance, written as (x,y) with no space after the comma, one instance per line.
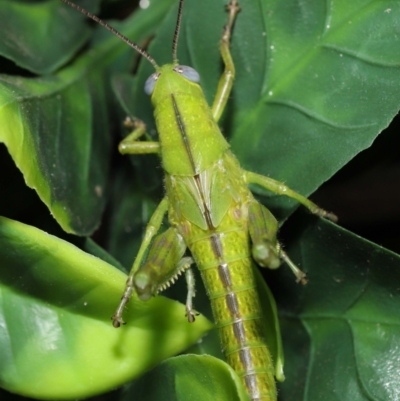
(302,280)
(117,321)
(332,217)
(191,315)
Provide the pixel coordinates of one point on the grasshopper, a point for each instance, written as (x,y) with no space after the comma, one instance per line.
(211,212)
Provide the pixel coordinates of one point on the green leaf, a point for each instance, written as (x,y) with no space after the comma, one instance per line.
(329,83)
(53,42)
(65,164)
(341,331)
(130,211)
(189,377)
(333,90)
(56,336)
(61,122)
(314,84)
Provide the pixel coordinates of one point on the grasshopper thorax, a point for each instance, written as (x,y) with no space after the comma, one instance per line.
(190,139)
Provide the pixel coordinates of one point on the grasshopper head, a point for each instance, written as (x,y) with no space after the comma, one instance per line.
(171,78)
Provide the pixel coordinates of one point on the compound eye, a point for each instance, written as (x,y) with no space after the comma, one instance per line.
(150,83)
(188,72)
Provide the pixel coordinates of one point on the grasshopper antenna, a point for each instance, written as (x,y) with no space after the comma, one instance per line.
(176,33)
(115,32)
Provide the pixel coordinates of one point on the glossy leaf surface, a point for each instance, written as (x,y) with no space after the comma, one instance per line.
(315,84)
(62,122)
(341,331)
(189,377)
(53,43)
(57,341)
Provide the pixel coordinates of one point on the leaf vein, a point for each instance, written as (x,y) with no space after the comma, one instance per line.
(362,57)
(318,117)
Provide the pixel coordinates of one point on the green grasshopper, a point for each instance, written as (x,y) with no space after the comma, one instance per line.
(211,211)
